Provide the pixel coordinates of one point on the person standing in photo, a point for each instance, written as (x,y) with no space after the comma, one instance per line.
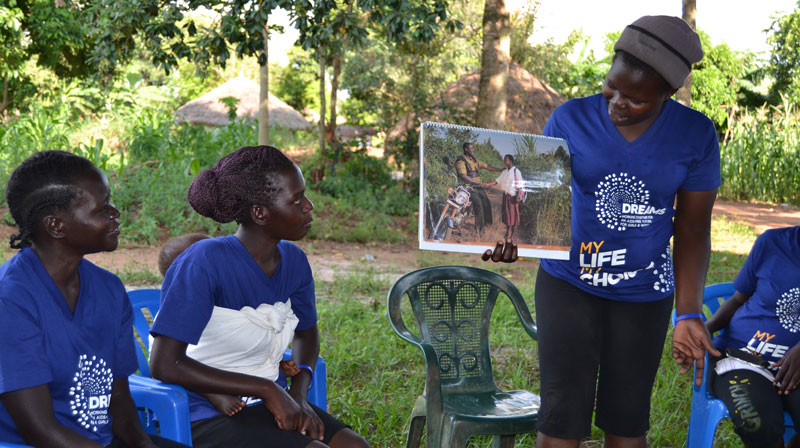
(510,182)
(468,169)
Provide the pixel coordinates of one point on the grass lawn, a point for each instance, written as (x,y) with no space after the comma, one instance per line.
(374,376)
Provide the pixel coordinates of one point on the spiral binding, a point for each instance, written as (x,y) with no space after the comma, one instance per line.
(496,131)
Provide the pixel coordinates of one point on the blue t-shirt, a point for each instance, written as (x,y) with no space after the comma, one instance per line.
(77,355)
(220,272)
(623,195)
(769,322)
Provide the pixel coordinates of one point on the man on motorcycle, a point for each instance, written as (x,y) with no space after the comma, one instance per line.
(468,169)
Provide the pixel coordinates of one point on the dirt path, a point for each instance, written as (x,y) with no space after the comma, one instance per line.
(392,260)
(758,216)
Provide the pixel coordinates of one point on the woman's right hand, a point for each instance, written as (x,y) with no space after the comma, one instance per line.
(288,414)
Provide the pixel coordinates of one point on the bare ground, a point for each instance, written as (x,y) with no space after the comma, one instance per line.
(392,260)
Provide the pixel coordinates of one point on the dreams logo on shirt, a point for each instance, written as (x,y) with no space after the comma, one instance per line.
(788,310)
(622,202)
(91,394)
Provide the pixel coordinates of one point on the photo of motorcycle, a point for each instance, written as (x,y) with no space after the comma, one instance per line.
(453,213)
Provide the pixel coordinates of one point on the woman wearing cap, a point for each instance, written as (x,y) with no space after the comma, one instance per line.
(603,314)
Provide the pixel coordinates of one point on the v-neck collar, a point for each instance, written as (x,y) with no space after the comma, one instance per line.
(617,136)
(251,262)
(55,293)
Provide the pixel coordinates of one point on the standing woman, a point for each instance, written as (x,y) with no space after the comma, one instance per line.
(256,270)
(603,314)
(66,325)
(509,181)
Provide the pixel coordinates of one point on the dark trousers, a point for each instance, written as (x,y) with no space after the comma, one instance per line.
(754,405)
(159,441)
(482,208)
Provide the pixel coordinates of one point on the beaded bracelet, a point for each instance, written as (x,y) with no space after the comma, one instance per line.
(688,316)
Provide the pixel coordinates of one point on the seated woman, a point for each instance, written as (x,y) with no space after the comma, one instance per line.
(231,305)
(66,325)
(759,377)
(226,404)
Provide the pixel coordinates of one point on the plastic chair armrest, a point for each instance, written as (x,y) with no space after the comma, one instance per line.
(170,404)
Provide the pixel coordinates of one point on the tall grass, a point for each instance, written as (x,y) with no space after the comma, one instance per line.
(761,156)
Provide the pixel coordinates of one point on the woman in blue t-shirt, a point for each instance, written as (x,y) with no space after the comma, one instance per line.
(229,303)
(66,325)
(758,378)
(644,169)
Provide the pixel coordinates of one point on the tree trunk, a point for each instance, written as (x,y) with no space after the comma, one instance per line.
(330,129)
(495,61)
(5,102)
(263,94)
(684,95)
(321,104)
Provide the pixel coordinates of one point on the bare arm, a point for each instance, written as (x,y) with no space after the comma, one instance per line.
(169,363)
(32,412)
(126,425)
(305,349)
(692,249)
(723,316)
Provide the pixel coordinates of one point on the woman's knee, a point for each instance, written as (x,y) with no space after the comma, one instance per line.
(347,438)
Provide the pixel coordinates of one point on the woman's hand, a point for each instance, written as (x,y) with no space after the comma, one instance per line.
(690,341)
(310,423)
(288,413)
(788,377)
(505,252)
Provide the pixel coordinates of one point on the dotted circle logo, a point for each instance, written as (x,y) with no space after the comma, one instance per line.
(91,392)
(788,310)
(612,192)
(665,273)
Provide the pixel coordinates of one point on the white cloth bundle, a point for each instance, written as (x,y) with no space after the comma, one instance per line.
(249,341)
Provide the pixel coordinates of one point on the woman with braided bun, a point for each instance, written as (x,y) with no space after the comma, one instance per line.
(66,325)
(230,306)
(645,169)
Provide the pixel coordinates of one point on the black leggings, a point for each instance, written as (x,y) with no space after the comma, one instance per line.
(754,405)
(591,347)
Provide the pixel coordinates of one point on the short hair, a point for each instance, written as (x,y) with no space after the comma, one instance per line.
(247,176)
(174,247)
(640,66)
(509,156)
(464,146)
(41,185)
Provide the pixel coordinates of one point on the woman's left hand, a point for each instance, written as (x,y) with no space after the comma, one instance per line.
(690,341)
(788,377)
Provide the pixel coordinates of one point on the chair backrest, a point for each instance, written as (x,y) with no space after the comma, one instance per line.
(452,306)
(146,303)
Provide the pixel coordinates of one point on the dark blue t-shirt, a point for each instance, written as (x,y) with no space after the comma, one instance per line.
(77,355)
(220,272)
(623,195)
(769,322)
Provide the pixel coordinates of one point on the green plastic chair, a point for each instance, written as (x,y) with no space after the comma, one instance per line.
(453,306)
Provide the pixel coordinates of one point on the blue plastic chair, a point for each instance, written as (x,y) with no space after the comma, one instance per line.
(708,410)
(151,397)
(150,300)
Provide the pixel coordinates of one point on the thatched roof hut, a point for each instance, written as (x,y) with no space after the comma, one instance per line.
(530,103)
(210,111)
